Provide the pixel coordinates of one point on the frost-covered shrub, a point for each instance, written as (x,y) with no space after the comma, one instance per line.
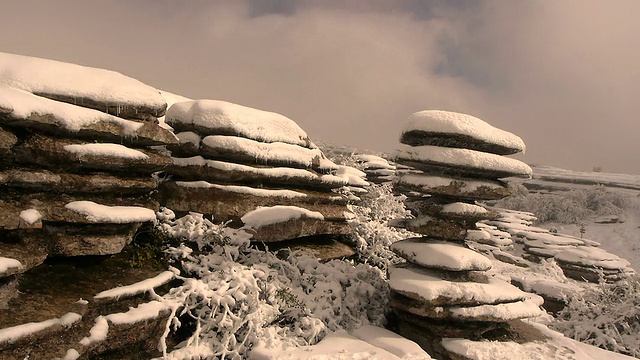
(372,233)
(607,316)
(568,207)
(237,296)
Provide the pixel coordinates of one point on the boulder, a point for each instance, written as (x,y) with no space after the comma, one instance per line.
(225,172)
(453,187)
(44,180)
(76,156)
(461,162)
(66,120)
(450,129)
(323,248)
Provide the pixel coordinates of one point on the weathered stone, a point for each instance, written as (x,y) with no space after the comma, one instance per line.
(52,290)
(442,209)
(419,138)
(50,153)
(225,202)
(145,134)
(99,239)
(296,228)
(43,180)
(456,130)
(120,109)
(453,187)
(251,152)
(52,209)
(591,274)
(504,311)
(28,254)
(7,140)
(438,288)
(258,176)
(458,171)
(440,255)
(188,144)
(322,247)
(436,228)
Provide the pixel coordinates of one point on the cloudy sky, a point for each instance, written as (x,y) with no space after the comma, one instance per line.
(564,75)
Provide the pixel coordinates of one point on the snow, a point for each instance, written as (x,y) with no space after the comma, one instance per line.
(8,263)
(142,312)
(374,162)
(270,152)
(353,176)
(105,149)
(428,287)
(97,333)
(550,239)
(242,189)
(443,255)
(264,216)
(187,137)
(592,256)
(556,346)
(243,121)
(463,208)
(446,122)
(275,172)
(30,216)
(464,158)
(53,77)
(70,117)
(97,213)
(139,287)
(338,345)
(391,342)
(72,354)
(13,333)
(557,175)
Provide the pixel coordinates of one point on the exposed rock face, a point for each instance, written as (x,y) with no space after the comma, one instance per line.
(76,178)
(258,170)
(444,293)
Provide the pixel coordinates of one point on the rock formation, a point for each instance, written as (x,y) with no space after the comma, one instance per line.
(260,172)
(76,183)
(442,290)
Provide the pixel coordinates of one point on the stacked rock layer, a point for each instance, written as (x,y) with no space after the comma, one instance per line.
(442,290)
(257,170)
(75,181)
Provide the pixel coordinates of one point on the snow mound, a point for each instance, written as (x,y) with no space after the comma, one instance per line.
(517,310)
(446,122)
(277,214)
(464,158)
(14,333)
(225,118)
(105,149)
(42,76)
(442,255)
(463,208)
(97,213)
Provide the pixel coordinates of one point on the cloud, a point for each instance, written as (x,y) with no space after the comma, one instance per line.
(563,74)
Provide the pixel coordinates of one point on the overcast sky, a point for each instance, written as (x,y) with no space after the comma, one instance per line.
(563,75)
